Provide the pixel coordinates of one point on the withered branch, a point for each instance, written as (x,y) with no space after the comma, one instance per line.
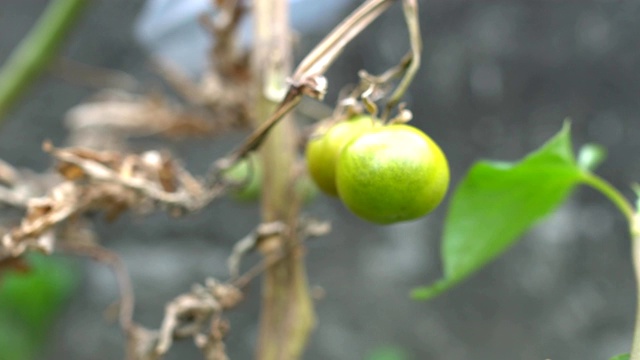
(411,15)
(308,78)
(112,260)
(110,182)
(187,316)
(308,228)
(224,90)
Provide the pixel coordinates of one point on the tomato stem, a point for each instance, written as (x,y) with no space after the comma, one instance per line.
(634,228)
(635,246)
(611,193)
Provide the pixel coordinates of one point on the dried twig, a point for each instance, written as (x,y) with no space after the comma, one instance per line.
(8,174)
(187,316)
(126,116)
(249,243)
(12,198)
(411,14)
(92,76)
(309,228)
(111,259)
(227,58)
(151,175)
(211,344)
(308,78)
(17,186)
(224,89)
(110,182)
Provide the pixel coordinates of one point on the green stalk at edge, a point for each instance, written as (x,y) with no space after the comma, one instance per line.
(610,193)
(635,246)
(634,226)
(36,50)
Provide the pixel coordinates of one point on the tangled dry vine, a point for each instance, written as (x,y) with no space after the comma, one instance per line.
(95,172)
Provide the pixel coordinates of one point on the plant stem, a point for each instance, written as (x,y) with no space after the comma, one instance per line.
(634,227)
(287,311)
(36,50)
(635,246)
(611,193)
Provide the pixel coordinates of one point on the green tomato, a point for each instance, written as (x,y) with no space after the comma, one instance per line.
(392,173)
(247,173)
(306,189)
(324,148)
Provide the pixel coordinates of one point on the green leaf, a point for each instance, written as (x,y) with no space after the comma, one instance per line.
(15,341)
(497,202)
(621,357)
(36,296)
(29,303)
(387,353)
(590,156)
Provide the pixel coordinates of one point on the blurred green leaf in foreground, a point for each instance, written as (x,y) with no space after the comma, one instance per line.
(29,303)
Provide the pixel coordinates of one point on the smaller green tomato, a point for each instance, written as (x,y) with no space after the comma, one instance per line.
(306,189)
(247,176)
(247,173)
(392,173)
(324,148)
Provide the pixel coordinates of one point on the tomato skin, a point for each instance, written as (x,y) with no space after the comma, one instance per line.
(248,174)
(325,146)
(246,179)
(391,174)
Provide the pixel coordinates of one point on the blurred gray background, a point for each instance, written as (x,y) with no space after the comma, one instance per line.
(498,79)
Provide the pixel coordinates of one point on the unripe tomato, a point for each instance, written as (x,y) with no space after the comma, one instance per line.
(247,177)
(324,147)
(247,173)
(306,189)
(392,173)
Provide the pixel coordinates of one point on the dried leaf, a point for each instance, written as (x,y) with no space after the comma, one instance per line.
(17,264)
(104,181)
(139,116)
(141,343)
(187,314)
(8,175)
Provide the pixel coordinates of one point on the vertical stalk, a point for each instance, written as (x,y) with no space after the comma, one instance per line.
(633,218)
(36,50)
(287,311)
(635,248)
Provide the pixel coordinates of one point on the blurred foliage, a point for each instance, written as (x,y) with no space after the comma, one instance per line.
(36,50)
(247,175)
(387,353)
(620,357)
(29,303)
